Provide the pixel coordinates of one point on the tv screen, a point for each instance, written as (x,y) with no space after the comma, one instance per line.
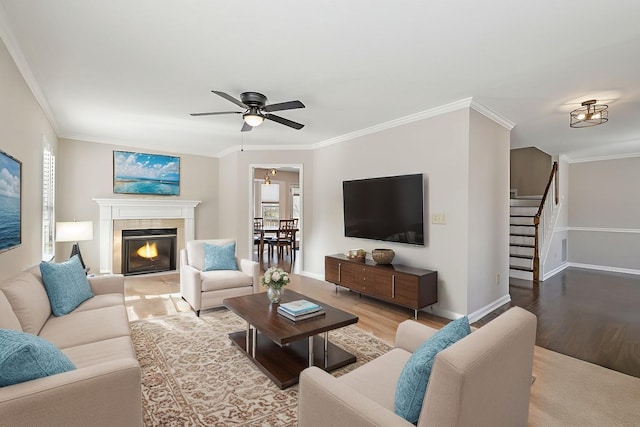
(389,208)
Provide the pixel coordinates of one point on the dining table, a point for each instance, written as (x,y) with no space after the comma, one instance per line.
(272,230)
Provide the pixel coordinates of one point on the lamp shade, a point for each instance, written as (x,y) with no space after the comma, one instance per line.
(75,231)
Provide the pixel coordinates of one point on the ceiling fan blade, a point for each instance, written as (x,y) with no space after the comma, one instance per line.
(284,121)
(245,128)
(215,113)
(231,98)
(290,105)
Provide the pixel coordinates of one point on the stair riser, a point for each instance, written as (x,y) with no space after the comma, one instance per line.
(517,250)
(520,240)
(524,202)
(523,210)
(518,274)
(521,262)
(521,220)
(514,229)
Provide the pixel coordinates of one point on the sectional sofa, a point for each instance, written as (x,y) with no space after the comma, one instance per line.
(105,387)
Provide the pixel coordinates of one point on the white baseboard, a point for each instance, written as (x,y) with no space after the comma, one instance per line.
(555,271)
(605,268)
(447,314)
(479,314)
(312,275)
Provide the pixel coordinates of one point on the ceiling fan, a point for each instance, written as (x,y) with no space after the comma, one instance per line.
(256,110)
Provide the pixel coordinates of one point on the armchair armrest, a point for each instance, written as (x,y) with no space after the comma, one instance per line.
(325,401)
(112,284)
(190,282)
(251,268)
(411,334)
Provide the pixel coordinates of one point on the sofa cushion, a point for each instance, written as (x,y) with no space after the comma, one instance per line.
(29,301)
(85,327)
(101,301)
(224,279)
(92,354)
(66,284)
(8,319)
(413,380)
(220,257)
(195,251)
(25,357)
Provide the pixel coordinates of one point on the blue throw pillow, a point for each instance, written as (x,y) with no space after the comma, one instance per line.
(414,378)
(66,284)
(25,357)
(220,257)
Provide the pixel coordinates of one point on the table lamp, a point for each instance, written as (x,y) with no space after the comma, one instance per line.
(75,231)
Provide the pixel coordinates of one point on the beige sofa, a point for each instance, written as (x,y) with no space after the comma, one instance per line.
(482,380)
(105,389)
(207,289)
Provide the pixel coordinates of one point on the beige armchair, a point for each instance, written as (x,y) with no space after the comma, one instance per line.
(482,380)
(207,289)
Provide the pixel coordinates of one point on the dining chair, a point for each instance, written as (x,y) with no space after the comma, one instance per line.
(284,238)
(258,234)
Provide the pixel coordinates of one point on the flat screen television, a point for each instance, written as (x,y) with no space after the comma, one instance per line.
(388,208)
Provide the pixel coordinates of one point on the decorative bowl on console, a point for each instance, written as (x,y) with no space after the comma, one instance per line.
(383,256)
(356,254)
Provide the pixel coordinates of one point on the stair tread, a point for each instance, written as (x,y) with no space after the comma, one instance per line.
(521,256)
(517,267)
(522,216)
(522,245)
(523,225)
(522,235)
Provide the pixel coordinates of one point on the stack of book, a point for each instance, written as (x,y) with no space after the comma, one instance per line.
(300,310)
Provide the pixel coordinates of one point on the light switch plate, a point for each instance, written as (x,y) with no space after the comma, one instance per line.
(438,218)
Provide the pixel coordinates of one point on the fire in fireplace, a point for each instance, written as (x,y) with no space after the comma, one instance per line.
(149,250)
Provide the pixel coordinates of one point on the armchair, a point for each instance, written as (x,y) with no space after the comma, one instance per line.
(207,289)
(482,380)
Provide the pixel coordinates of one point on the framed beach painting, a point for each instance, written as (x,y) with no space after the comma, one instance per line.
(141,173)
(10,202)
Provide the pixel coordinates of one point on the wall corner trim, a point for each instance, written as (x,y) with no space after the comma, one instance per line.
(480,313)
(605,268)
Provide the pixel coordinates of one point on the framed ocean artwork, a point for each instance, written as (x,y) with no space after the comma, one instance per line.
(10,202)
(142,173)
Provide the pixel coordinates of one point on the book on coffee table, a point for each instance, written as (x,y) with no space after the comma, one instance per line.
(304,316)
(299,307)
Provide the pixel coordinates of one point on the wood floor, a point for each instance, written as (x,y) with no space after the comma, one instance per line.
(587,314)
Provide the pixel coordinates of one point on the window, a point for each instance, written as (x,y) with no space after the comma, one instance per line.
(270,204)
(295,201)
(48,202)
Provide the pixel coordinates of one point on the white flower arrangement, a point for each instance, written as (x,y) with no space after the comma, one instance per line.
(275,278)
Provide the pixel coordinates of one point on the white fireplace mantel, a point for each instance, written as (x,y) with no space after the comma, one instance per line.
(115,209)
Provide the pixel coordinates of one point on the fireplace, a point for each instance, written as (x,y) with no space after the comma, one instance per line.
(148,250)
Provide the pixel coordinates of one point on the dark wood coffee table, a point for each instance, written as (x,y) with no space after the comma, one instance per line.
(282,348)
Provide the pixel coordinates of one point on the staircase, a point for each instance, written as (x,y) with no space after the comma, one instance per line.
(522,237)
(531,224)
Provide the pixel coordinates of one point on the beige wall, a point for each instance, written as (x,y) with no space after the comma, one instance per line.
(85,172)
(488,275)
(23,130)
(530,170)
(605,204)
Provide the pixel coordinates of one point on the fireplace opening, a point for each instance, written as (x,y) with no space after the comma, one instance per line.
(149,250)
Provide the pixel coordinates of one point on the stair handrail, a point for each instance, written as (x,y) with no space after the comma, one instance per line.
(553,178)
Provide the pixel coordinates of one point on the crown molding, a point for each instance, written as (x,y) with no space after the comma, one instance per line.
(489,113)
(453,106)
(601,158)
(23,67)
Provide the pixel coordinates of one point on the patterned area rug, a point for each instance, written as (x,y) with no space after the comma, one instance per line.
(192,375)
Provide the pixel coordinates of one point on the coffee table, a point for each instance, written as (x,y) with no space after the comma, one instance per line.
(282,348)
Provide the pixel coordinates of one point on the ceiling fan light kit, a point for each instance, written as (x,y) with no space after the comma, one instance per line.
(256,110)
(590,114)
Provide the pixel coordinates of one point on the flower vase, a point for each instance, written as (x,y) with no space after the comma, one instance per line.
(274,295)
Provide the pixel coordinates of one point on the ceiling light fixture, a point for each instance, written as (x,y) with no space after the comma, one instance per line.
(590,114)
(253,117)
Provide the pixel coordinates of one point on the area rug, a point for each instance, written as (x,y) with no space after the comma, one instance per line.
(192,375)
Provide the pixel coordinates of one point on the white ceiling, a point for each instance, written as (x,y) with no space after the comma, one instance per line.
(129,72)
